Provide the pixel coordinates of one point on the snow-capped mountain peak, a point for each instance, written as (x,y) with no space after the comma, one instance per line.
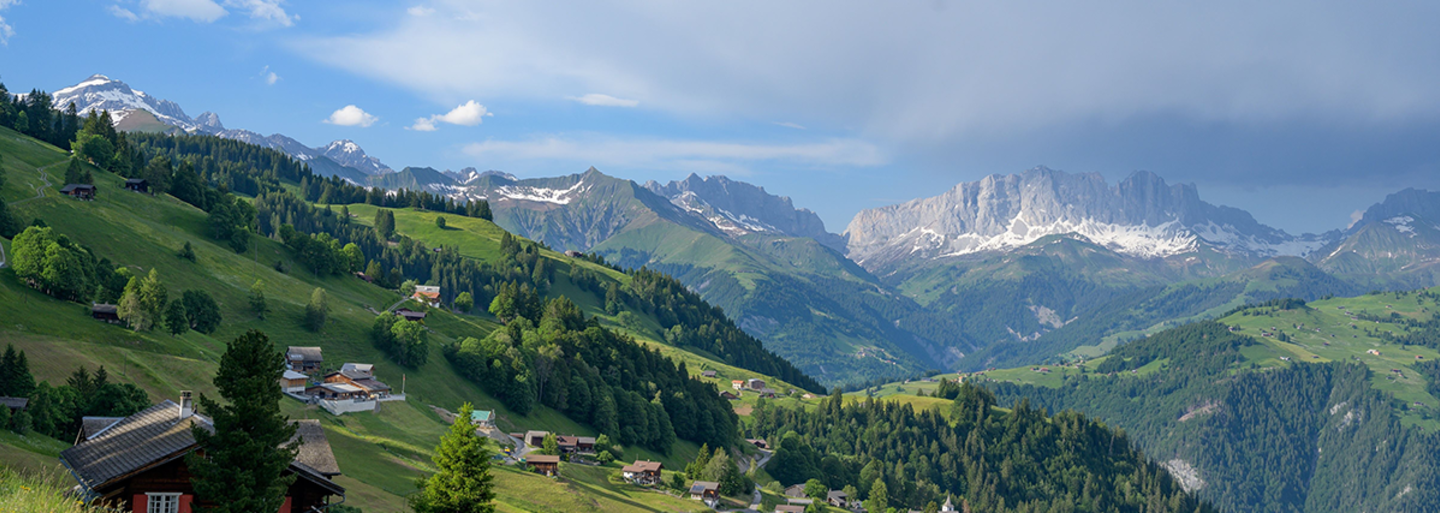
(1141,216)
(99,92)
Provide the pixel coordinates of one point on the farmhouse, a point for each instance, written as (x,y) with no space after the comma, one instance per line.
(79,190)
(547,465)
(708,374)
(427,294)
(335,392)
(737,385)
(138,463)
(726,394)
(410,315)
(754,384)
(15,404)
(789,508)
(304,358)
(104,312)
(643,472)
(838,499)
(362,376)
(137,185)
(707,492)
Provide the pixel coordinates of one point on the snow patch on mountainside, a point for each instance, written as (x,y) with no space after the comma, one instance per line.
(1165,240)
(541,194)
(1402,224)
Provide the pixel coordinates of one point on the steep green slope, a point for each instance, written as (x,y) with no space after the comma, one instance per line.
(1280,408)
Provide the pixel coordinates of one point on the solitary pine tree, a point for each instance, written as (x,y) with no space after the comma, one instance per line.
(246,456)
(440,222)
(384,224)
(462,482)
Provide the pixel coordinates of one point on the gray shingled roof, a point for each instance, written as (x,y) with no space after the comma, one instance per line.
(306,353)
(704,486)
(15,403)
(315,448)
(90,426)
(155,434)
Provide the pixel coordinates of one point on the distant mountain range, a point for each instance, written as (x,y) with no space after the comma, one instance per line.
(1007,270)
(135,110)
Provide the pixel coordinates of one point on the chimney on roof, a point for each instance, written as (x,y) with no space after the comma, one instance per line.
(187,405)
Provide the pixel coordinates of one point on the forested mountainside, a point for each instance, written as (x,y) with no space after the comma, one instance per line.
(1020,459)
(558,349)
(1282,406)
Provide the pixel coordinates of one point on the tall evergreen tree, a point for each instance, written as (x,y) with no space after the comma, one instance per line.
(245,458)
(462,482)
(175,318)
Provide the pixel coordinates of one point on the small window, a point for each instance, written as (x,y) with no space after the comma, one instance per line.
(162,503)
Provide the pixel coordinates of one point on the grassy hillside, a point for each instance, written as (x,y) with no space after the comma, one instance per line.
(381,453)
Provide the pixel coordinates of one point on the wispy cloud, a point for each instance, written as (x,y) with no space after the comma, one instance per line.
(204,11)
(123,13)
(269,76)
(420,10)
(675,154)
(6,31)
(467,114)
(351,115)
(604,100)
(788,124)
(265,11)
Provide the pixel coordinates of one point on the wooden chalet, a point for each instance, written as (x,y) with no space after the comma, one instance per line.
(789,508)
(726,394)
(304,358)
(137,464)
(737,384)
(294,382)
(754,384)
(410,315)
(795,490)
(362,376)
(104,312)
(79,190)
(137,185)
(567,443)
(585,444)
(707,492)
(838,499)
(544,464)
(643,472)
(708,374)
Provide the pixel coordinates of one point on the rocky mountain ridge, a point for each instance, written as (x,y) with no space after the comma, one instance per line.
(1141,216)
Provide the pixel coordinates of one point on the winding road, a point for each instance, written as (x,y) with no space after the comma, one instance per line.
(40,189)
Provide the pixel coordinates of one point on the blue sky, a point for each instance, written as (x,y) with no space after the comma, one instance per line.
(1300,112)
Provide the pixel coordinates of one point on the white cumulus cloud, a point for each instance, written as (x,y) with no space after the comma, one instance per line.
(269,76)
(204,11)
(605,100)
(420,10)
(467,114)
(351,115)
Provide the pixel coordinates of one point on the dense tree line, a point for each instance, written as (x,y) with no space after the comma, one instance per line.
(1021,460)
(56,411)
(595,376)
(36,115)
(1301,438)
